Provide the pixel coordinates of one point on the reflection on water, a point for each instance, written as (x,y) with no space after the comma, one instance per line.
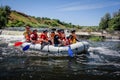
(102,63)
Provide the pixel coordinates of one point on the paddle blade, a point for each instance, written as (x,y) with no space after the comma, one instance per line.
(26,47)
(18,44)
(70,52)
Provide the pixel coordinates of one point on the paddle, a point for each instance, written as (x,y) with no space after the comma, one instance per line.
(26,47)
(70,52)
(18,44)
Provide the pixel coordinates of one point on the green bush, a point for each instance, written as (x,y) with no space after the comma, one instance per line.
(96,38)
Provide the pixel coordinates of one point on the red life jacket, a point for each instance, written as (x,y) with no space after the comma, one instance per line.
(43,36)
(34,36)
(67,41)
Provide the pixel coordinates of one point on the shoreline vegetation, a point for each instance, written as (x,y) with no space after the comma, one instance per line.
(96,38)
(13,18)
(109,25)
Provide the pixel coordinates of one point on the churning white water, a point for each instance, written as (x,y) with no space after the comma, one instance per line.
(101,61)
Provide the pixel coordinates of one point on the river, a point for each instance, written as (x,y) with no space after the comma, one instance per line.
(102,62)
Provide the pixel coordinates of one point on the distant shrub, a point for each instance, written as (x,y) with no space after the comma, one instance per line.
(96,38)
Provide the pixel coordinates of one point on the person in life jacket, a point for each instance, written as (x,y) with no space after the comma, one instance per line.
(52,34)
(43,37)
(27,33)
(34,36)
(73,37)
(68,40)
(57,38)
(63,38)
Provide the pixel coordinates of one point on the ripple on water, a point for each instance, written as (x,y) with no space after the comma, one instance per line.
(102,61)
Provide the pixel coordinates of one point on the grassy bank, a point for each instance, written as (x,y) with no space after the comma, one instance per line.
(96,38)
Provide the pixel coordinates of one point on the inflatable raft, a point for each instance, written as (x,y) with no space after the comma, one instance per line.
(78,47)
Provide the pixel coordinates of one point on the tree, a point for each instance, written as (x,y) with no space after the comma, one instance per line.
(105,21)
(114,23)
(4,15)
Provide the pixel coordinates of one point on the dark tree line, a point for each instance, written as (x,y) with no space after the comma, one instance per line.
(107,22)
(110,23)
(4,15)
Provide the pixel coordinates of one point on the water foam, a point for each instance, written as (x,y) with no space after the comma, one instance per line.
(105,51)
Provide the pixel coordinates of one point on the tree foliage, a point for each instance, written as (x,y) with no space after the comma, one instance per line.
(105,21)
(4,15)
(108,23)
(115,22)
(12,18)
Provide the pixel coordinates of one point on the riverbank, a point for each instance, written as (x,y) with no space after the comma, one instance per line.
(98,34)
